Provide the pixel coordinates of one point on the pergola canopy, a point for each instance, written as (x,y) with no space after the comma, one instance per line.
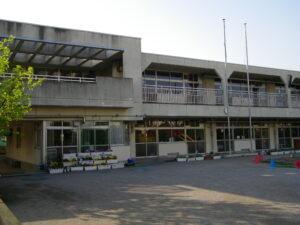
(59,54)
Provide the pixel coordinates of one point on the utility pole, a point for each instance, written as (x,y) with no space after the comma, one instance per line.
(249,94)
(226,103)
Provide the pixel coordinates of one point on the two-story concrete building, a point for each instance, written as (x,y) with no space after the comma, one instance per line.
(101,92)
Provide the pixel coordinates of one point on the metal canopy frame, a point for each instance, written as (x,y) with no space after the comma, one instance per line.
(59,54)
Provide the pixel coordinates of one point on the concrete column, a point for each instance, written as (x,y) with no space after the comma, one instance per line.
(210,96)
(272,135)
(44,142)
(285,80)
(208,137)
(276,135)
(117,69)
(132,140)
(214,137)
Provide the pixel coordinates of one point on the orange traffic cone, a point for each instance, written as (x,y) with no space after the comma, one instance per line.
(257,159)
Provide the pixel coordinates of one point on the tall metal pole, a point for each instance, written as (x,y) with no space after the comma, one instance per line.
(249,94)
(226,103)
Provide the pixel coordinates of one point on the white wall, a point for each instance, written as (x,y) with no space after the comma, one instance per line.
(122,152)
(169,148)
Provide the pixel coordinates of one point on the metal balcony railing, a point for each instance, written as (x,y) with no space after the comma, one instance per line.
(295,100)
(201,96)
(57,78)
(260,99)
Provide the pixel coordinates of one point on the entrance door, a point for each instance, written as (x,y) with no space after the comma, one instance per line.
(297,143)
(146,143)
(59,142)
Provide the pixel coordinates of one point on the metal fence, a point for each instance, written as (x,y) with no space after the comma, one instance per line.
(240,98)
(201,96)
(295,100)
(57,78)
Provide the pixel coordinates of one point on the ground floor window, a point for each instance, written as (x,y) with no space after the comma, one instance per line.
(241,131)
(67,137)
(149,134)
(289,136)
(223,140)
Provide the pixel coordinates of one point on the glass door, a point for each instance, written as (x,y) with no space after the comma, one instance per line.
(61,141)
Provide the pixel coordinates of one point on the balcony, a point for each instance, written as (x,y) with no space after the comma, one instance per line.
(257,99)
(171,95)
(295,100)
(83,92)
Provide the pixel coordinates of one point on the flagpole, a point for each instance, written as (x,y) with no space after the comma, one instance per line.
(248,86)
(226,103)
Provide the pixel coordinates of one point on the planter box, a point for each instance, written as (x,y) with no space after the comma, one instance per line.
(76,168)
(217,157)
(274,153)
(90,168)
(181,159)
(191,159)
(98,162)
(69,163)
(117,166)
(208,158)
(56,171)
(104,167)
(199,158)
(87,162)
(111,161)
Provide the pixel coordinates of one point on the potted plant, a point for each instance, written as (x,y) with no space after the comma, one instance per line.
(216,156)
(181,158)
(90,167)
(191,158)
(199,157)
(55,168)
(104,166)
(117,165)
(69,162)
(208,157)
(112,159)
(76,168)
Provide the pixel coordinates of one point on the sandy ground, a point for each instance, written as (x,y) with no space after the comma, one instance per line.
(227,191)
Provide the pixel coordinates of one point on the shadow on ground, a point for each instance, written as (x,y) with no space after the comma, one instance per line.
(221,192)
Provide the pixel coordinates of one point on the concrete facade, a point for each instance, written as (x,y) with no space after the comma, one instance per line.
(144,119)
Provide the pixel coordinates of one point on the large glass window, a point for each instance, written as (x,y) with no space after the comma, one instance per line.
(166,131)
(119,133)
(285,140)
(94,139)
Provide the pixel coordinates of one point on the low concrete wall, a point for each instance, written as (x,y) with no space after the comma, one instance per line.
(122,152)
(169,148)
(6,216)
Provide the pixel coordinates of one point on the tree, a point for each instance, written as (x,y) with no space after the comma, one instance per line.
(15,89)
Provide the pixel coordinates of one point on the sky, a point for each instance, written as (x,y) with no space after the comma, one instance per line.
(187,28)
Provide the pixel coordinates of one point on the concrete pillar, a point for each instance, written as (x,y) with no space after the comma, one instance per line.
(285,80)
(208,137)
(132,140)
(44,142)
(276,135)
(214,137)
(272,135)
(117,69)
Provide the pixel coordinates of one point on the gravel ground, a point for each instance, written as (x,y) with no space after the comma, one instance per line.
(228,191)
